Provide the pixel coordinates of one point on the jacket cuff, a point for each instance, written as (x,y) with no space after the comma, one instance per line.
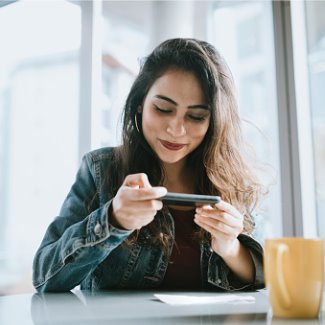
(222,277)
(99,228)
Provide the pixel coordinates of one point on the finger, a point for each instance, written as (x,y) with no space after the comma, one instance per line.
(144,206)
(215,225)
(229,208)
(220,216)
(140,180)
(142,194)
(208,228)
(226,207)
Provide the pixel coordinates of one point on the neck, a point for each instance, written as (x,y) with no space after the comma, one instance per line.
(178,178)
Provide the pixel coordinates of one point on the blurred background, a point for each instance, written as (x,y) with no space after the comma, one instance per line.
(67,66)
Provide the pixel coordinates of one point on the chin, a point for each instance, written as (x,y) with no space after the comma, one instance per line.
(173,159)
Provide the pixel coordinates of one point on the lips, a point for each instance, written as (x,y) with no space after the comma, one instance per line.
(172,146)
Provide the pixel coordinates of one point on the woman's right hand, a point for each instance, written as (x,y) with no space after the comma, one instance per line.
(136,202)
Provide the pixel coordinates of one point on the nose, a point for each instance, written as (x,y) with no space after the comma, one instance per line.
(176,128)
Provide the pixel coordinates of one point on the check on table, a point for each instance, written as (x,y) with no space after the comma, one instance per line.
(141,307)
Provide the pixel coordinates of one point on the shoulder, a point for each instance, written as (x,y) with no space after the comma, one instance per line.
(99,159)
(100,155)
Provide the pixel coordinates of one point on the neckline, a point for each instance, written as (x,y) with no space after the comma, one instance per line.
(181,213)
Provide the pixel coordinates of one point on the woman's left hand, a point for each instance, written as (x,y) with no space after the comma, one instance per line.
(224,222)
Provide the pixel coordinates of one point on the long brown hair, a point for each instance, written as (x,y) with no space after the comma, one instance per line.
(219,162)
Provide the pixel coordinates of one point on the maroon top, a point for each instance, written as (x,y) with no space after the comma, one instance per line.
(183,271)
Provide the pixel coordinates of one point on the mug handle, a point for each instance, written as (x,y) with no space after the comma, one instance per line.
(282,249)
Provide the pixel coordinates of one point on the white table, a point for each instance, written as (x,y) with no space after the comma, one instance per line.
(136,307)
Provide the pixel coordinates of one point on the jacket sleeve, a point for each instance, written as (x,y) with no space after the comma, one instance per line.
(220,275)
(78,239)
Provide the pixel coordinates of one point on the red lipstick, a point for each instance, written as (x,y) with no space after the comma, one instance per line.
(172,146)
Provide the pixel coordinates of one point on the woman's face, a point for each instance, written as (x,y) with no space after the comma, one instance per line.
(175,115)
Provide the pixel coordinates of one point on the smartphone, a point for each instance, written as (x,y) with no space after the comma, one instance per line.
(189,199)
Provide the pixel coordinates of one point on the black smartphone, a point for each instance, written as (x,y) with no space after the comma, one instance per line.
(189,199)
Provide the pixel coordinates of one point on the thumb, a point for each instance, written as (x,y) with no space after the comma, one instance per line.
(137,181)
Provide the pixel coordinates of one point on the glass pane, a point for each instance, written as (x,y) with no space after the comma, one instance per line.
(315,12)
(38,127)
(243,33)
(124,42)
(130,30)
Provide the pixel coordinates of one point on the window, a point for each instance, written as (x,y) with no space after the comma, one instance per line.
(53,107)
(243,33)
(124,43)
(315,28)
(129,31)
(39,77)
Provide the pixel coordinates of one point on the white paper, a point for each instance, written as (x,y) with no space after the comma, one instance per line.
(196,300)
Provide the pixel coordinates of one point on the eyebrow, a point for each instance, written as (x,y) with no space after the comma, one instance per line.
(202,106)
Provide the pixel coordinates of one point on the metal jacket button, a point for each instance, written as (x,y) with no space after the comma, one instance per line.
(98,229)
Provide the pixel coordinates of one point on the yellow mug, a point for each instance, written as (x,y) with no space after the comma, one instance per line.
(294,276)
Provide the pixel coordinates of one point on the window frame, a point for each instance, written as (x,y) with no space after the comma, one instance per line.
(295,145)
(296,157)
(90,71)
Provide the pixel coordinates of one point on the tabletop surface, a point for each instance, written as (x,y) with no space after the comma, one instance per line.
(140,307)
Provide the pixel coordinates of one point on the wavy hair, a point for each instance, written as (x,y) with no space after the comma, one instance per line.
(219,164)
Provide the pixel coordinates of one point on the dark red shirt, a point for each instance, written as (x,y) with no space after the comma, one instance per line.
(183,271)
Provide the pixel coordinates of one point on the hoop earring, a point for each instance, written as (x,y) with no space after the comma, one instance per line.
(136,122)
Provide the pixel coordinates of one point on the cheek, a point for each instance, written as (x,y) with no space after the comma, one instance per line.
(151,124)
(199,132)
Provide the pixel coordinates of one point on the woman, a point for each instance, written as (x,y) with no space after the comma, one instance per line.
(181,133)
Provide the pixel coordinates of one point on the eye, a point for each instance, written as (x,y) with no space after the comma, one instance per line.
(197,118)
(162,110)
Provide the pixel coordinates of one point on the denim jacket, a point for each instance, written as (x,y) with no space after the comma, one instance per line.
(81,247)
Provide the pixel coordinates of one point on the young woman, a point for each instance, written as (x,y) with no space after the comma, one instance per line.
(181,133)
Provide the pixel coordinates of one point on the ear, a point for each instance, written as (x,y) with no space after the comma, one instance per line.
(139,110)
